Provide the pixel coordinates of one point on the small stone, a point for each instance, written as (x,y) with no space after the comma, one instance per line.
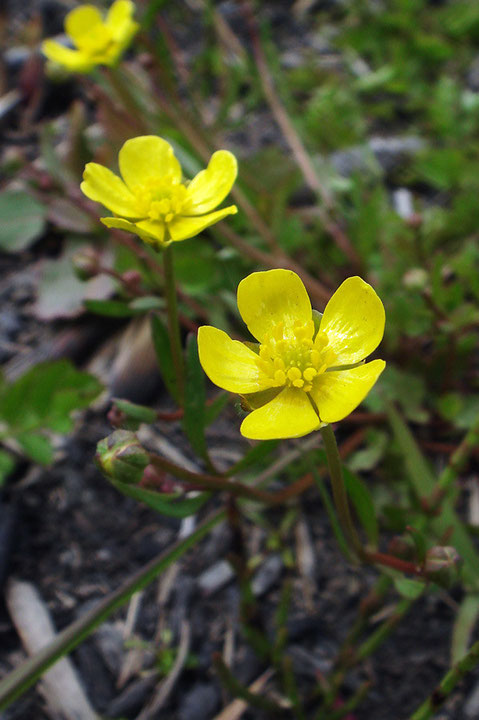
(403,203)
(267,575)
(215,577)
(109,641)
(200,703)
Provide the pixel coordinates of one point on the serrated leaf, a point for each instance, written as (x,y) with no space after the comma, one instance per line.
(22,220)
(161,343)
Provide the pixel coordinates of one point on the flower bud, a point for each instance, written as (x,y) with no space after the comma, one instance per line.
(121,457)
(86,263)
(442,564)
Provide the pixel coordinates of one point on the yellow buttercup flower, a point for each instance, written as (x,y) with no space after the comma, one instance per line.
(97,41)
(298,377)
(152,200)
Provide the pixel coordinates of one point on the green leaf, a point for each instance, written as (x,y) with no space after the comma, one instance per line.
(213,410)
(161,343)
(464,623)
(146,303)
(61,293)
(331,511)
(409,589)
(7,463)
(368,457)
(141,413)
(363,504)
(22,220)
(45,396)
(37,447)
(417,466)
(110,308)
(254,456)
(166,504)
(195,400)
(423,484)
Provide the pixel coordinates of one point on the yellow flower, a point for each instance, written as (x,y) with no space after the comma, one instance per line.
(152,201)
(97,41)
(297,378)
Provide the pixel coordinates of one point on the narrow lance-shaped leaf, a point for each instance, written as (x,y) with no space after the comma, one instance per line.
(363,504)
(164,503)
(195,400)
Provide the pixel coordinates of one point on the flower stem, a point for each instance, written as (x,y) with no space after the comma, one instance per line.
(173,322)
(447,685)
(340,496)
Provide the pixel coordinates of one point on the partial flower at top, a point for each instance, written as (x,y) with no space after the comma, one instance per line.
(298,377)
(96,41)
(152,200)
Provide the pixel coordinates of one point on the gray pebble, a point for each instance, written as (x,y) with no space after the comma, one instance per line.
(200,703)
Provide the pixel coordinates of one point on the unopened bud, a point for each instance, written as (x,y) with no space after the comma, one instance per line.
(121,457)
(86,263)
(442,564)
(132,278)
(415,279)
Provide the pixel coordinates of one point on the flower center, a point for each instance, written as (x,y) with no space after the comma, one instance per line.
(292,358)
(160,199)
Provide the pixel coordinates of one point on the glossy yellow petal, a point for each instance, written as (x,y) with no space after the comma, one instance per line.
(289,415)
(120,224)
(339,392)
(210,187)
(80,21)
(119,18)
(154,229)
(147,158)
(268,298)
(72,60)
(229,363)
(103,186)
(353,321)
(182,227)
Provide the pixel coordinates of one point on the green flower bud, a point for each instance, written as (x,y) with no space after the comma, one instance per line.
(86,263)
(442,564)
(121,457)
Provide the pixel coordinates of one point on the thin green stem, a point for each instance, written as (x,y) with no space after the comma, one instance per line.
(442,691)
(173,322)
(340,495)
